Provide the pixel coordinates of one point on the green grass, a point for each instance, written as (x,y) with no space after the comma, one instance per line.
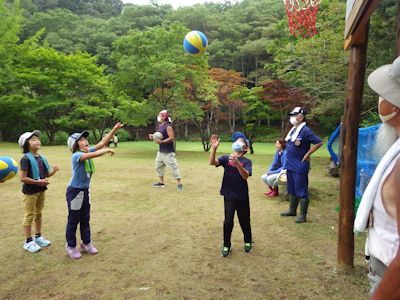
(165,245)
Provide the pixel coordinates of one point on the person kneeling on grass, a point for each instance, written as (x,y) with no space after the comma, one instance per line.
(78,201)
(274,171)
(234,188)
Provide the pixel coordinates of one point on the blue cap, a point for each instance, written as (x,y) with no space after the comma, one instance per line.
(239,135)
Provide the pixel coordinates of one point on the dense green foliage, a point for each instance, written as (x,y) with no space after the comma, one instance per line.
(68,65)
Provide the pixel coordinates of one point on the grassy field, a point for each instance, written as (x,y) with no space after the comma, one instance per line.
(161,244)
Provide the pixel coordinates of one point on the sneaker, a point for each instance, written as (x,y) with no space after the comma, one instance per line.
(73,252)
(248,247)
(158,185)
(225,251)
(42,242)
(89,248)
(180,187)
(32,247)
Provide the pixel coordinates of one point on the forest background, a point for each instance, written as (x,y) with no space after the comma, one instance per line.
(73,65)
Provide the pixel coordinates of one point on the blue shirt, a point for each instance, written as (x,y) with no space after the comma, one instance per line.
(80,178)
(296,150)
(233,184)
(278,162)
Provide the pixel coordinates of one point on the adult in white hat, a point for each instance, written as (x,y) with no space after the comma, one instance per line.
(301,143)
(380,199)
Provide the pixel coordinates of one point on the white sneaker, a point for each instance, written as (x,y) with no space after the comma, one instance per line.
(42,242)
(32,247)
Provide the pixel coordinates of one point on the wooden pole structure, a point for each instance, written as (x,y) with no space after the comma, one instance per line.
(398,31)
(355,87)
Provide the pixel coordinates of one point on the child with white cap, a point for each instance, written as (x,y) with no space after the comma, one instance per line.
(78,201)
(34,171)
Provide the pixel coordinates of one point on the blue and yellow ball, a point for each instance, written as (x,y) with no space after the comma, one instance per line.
(8,168)
(195,43)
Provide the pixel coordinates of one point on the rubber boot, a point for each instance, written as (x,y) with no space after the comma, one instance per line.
(275,193)
(293,202)
(267,193)
(303,211)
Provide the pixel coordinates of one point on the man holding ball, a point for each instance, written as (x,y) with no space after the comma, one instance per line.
(166,154)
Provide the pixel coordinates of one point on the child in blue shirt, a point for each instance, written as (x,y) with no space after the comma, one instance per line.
(274,171)
(78,201)
(234,188)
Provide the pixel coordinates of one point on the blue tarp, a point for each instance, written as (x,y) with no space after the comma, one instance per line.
(366,160)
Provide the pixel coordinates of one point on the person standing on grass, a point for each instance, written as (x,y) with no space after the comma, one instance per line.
(272,174)
(234,188)
(166,154)
(379,209)
(78,200)
(34,170)
(301,142)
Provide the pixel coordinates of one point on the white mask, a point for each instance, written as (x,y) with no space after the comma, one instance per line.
(389,116)
(293,120)
(159,120)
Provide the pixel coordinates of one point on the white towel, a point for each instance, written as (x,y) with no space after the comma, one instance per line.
(367,200)
(295,134)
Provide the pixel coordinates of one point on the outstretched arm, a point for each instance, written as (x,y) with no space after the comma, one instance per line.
(104,141)
(53,171)
(97,153)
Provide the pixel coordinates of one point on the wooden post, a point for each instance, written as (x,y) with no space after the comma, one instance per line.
(398,31)
(355,87)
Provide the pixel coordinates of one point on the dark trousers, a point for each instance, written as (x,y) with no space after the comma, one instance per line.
(78,213)
(242,207)
(297,184)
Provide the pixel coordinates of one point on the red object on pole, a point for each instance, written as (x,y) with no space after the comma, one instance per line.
(302,17)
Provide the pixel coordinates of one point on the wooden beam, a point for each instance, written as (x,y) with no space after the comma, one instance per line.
(398,31)
(355,87)
(355,37)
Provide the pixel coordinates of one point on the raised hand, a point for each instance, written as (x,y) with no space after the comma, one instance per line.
(118,126)
(214,140)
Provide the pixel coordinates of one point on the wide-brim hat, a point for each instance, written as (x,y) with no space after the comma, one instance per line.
(385,81)
(26,136)
(297,110)
(73,138)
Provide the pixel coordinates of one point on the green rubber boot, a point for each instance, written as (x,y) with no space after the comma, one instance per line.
(303,211)
(293,202)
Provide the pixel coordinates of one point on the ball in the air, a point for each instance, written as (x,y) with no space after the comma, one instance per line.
(8,168)
(157,136)
(195,43)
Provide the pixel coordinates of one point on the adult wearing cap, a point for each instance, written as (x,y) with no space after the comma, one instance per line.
(301,142)
(166,153)
(78,201)
(380,202)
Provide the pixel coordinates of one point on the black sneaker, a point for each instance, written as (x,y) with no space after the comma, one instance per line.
(158,185)
(225,251)
(180,187)
(248,247)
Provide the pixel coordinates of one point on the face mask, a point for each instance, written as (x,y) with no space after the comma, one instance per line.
(389,116)
(293,120)
(159,120)
(237,146)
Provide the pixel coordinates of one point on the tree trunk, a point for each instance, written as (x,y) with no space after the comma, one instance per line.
(1,136)
(186,129)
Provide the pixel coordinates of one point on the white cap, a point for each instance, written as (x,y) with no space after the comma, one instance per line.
(297,110)
(26,136)
(385,81)
(73,138)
